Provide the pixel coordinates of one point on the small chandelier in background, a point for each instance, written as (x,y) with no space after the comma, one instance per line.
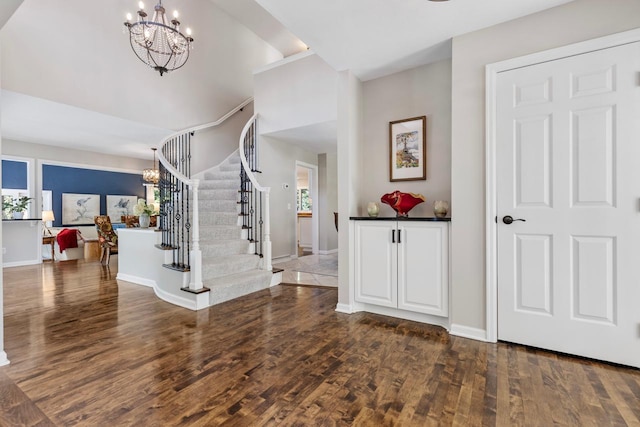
(151,176)
(157,43)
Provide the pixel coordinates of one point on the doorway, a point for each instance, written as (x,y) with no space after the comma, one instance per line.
(306,209)
(562,198)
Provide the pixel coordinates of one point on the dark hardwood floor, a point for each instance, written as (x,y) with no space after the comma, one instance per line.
(87,350)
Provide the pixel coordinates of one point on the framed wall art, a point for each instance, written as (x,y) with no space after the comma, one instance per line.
(120,205)
(78,209)
(408,149)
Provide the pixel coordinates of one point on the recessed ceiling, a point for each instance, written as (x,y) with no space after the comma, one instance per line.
(374,38)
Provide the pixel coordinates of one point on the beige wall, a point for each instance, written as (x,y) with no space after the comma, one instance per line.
(278,163)
(209,147)
(422,91)
(328,201)
(573,22)
(297,92)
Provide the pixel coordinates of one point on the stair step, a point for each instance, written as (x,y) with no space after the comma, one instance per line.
(227,265)
(213,233)
(206,194)
(222,175)
(219,218)
(226,288)
(225,247)
(231,167)
(220,184)
(212,205)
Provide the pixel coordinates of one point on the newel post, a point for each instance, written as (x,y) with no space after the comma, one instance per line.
(195,257)
(267,232)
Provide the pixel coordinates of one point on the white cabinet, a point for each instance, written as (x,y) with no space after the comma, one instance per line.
(403,264)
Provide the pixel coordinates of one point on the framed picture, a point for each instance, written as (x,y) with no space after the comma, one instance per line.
(408,149)
(120,205)
(78,209)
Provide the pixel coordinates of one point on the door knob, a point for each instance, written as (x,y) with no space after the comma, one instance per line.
(509,219)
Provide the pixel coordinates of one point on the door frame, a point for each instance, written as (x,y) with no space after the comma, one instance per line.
(315,224)
(491,212)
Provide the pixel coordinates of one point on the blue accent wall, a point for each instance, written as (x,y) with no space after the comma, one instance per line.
(62,179)
(14,175)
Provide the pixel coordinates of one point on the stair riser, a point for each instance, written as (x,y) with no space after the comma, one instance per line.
(226,184)
(219,218)
(213,234)
(229,268)
(235,248)
(219,206)
(218,195)
(221,175)
(219,295)
(231,167)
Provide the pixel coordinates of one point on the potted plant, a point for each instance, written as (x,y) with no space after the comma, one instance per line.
(144,212)
(15,207)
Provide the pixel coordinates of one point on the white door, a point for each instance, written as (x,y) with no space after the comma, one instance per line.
(568,162)
(423,267)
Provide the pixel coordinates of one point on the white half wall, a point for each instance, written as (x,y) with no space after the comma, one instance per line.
(300,91)
(570,23)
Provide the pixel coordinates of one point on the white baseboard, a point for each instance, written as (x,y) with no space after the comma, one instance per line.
(3,359)
(21,263)
(329,252)
(468,332)
(345,308)
(284,258)
(165,296)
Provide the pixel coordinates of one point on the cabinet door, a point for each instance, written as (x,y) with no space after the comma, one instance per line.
(423,267)
(375,263)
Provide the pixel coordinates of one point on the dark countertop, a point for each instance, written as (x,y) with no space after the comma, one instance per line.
(393,218)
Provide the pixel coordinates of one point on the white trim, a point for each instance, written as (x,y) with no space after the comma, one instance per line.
(284,61)
(329,252)
(42,162)
(3,359)
(346,308)
(21,263)
(468,332)
(170,298)
(283,258)
(428,319)
(492,71)
(315,226)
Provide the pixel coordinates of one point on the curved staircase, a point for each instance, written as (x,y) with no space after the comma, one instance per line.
(230,267)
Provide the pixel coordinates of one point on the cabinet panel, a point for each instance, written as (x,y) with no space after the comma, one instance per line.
(423,268)
(375,264)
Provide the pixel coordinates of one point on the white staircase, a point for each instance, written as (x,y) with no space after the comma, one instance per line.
(229,267)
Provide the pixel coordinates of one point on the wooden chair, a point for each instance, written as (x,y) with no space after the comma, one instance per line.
(131,221)
(107,238)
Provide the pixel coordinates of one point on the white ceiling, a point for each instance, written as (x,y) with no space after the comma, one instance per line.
(372,38)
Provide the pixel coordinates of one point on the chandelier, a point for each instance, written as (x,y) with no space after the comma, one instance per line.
(151,176)
(157,43)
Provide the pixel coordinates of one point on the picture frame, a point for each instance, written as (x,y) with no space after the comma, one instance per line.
(408,149)
(118,206)
(79,209)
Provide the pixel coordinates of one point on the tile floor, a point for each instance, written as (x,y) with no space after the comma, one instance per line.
(317,270)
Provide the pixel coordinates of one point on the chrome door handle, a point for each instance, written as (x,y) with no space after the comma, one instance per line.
(508,219)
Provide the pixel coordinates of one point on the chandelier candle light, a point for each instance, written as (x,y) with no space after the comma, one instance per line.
(152,176)
(157,43)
